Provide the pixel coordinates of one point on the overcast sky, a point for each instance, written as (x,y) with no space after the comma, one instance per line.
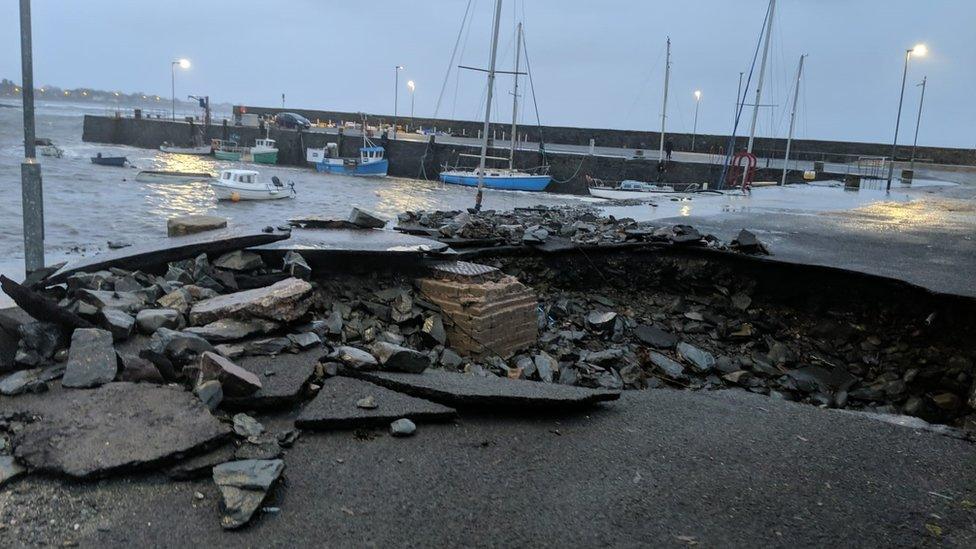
(594,63)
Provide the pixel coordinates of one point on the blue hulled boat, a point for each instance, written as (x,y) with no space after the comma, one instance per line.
(369,164)
(508,180)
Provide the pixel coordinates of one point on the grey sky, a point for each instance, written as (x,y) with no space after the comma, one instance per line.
(595,63)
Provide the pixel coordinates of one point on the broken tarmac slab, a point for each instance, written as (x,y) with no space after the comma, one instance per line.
(282,301)
(494,393)
(146,256)
(283,380)
(115,428)
(317,245)
(243,486)
(336,406)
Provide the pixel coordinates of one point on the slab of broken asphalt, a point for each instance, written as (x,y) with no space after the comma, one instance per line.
(338,406)
(284,379)
(720,469)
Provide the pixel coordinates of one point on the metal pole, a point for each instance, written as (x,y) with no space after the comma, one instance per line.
(172,83)
(694,132)
(32,190)
(396,96)
(664,108)
(762,74)
(894,143)
(491,87)
(918,121)
(518,58)
(412,92)
(789,139)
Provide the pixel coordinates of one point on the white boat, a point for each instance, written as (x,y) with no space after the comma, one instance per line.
(45,147)
(238,185)
(153,176)
(629,189)
(202,150)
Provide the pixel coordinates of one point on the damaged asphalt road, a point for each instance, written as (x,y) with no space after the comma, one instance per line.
(656,468)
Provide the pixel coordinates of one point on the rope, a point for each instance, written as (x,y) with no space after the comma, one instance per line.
(450,65)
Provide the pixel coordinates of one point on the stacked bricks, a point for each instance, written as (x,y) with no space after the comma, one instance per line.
(485,317)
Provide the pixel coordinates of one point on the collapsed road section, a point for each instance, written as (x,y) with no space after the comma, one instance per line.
(180,349)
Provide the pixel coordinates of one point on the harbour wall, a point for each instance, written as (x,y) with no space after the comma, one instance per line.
(411,159)
(764,147)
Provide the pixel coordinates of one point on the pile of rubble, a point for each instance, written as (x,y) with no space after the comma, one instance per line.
(580,226)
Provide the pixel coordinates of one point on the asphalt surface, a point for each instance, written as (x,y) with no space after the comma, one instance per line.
(929,241)
(657,468)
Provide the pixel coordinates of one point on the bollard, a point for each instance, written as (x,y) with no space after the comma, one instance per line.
(592,146)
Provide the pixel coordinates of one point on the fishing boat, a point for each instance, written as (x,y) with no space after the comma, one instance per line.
(47,148)
(153,176)
(236,185)
(508,178)
(118,161)
(202,150)
(264,151)
(370,163)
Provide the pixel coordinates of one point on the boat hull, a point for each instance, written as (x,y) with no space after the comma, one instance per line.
(171,177)
(117,161)
(531,183)
(340,167)
(614,194)
(269,157)
(227,155)
(233,193)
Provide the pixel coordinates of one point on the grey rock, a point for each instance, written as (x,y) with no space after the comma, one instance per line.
(334,323)
(283,301)
(367,403)
(230,329)
(741,301)
(268,346)
(235,381)
(354,358)
(305,341)
(243,486)
(43,337)
(10,469)
(669,367)
(239,260)
(23,381)
(400,359)
(604,357)
(201,465)
(403,427)
(283,380)
(138,370)
(464,390)
(365,219)
(296,266)
(701,361)
(150,320)
(450,359)
(127,283)
(180,347)
(178,299)
(260,447)
(433,330)
(601,321)
(546,366)
(656,337)
(119,323)
(91,359)
(246,426)
(210,393)
(117,427)
(129,302)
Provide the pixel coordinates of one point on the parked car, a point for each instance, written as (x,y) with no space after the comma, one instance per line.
(292,120)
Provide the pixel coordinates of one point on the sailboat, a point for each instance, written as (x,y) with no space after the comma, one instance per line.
(508,178)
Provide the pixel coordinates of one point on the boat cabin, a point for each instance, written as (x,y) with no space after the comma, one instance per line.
(368,155)
(247,177)
(269,143)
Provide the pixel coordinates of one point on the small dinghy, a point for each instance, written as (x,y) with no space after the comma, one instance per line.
(118,161)
(202,150)
(46,148)
(238,185)
(152,176)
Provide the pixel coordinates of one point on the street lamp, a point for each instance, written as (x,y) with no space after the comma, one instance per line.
(396,94)
(183,64)
(918,122)
(919,50)
(694,132)
(412,87)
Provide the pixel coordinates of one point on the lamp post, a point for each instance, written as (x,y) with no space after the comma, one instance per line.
(694,132)
(396,95)
(412,87)
(919,50)
(184,64)
(32,194)
(918,121)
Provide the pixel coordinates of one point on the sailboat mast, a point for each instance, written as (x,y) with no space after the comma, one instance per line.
(664,108)
(762,73)
(491,87)
(518,58)
(789,139)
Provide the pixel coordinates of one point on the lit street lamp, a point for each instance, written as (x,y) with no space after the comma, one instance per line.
(694,132)
(412,87)
(396,94)
(184,64)
(920,50)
